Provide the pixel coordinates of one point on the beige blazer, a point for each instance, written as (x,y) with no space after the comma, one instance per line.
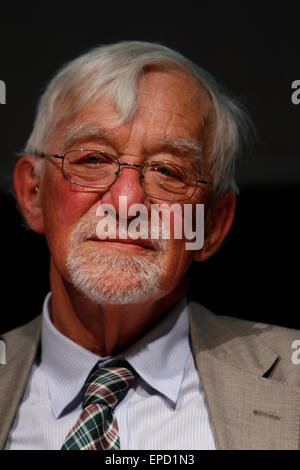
(251,384)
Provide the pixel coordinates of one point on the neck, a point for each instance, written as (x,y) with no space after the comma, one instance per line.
(104,329)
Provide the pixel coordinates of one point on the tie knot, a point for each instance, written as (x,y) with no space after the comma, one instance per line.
(108,385)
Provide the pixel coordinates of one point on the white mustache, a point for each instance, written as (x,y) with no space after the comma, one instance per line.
(88,228)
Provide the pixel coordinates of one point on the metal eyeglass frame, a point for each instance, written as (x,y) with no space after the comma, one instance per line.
(131,165)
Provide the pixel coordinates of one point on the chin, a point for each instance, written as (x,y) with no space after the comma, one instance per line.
(115,277)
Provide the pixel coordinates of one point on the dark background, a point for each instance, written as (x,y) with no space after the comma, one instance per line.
(254,52)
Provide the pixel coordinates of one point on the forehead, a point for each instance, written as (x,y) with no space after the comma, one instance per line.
(169,104)
(173,90)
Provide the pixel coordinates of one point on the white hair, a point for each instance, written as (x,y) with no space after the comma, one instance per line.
(113,72)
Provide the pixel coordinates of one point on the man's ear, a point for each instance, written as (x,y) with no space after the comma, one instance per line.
(26,185)
(217,224)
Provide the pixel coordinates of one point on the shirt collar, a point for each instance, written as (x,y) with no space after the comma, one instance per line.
(159,357)
(65,363)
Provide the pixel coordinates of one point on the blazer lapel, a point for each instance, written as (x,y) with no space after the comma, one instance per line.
(21,348)
(247,409)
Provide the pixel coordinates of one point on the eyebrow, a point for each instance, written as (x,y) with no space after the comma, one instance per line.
(83,131)
(189,148)
(182,147)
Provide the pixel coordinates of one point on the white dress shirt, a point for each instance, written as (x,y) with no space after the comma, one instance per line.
(165,410)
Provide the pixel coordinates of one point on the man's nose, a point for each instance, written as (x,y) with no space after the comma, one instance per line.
(127,184)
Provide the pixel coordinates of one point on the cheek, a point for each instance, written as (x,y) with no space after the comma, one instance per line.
(176,262)
(177,257)
(63,206)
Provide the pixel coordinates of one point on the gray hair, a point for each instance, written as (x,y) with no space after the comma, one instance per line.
(113,72)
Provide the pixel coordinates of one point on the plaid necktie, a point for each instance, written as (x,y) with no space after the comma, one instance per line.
(96,428)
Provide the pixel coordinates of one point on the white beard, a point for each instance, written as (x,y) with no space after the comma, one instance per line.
(108,276)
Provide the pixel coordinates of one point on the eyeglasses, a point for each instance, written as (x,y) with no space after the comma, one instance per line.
(95,169)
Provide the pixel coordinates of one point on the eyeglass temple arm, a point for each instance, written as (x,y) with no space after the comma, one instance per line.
(42,155)
(204,181)
(39,154)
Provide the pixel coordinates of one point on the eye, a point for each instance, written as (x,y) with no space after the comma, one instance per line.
(163,170)
(92,159)
(77,157)
(168,171)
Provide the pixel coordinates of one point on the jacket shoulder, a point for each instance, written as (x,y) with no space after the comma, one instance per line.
(270,332)
(221,330)
(20,337)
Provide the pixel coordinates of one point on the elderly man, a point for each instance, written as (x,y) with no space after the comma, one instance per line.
(121,358)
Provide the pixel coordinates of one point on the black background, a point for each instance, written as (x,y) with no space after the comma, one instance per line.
(253,51)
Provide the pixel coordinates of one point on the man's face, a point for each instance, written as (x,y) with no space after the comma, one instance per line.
(171,107)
